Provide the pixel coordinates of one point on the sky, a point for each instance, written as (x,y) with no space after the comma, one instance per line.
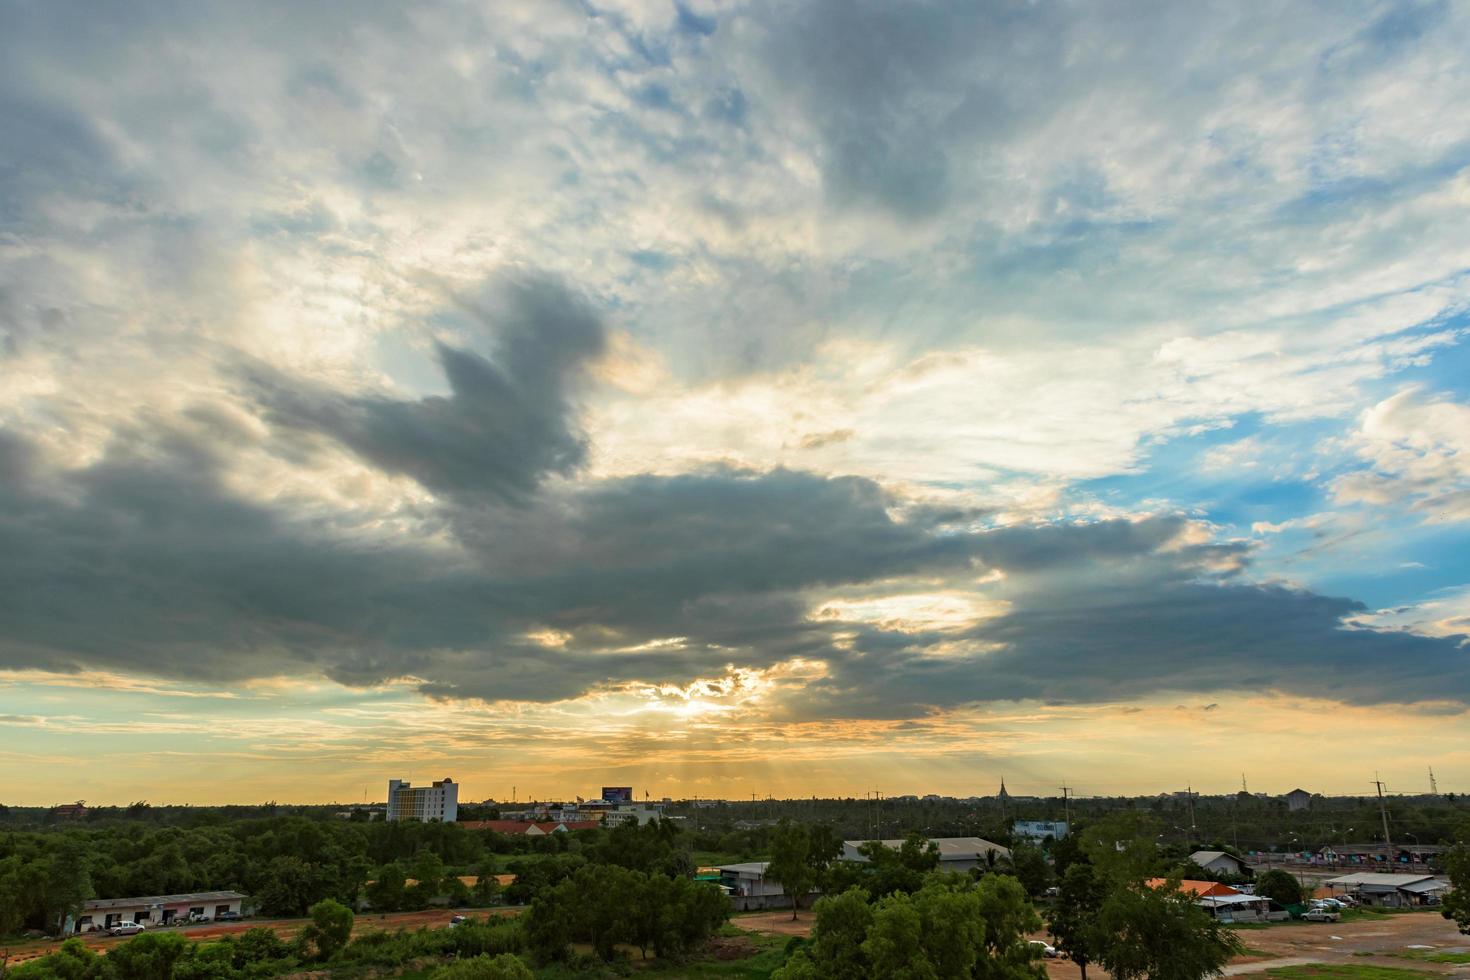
(732,398)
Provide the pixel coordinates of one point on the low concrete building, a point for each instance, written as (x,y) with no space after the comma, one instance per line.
(750,890)
(1394,891)
(156,910)
(955,853)
(1220,862)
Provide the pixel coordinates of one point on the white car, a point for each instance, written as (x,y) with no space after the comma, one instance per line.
(1045,949)
(1321,915)
(125,929)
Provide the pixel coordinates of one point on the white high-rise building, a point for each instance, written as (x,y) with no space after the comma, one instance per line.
(439,801)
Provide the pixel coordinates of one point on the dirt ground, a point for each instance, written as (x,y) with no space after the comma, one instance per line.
(1374,940)
(100,941)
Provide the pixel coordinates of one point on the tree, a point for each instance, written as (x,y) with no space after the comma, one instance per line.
(330,928)
(150,956)
(824,845)
(894,947)
(1028,862)
(428,873)
(1456,903)
(548,928)
(68,885)
(789,866)
(1009,917)
(506,966)
(1280,887)
(836,951)
(1075,917)
(386,892)
(1123,845)
(487,887)
(1160,934)
(953,930)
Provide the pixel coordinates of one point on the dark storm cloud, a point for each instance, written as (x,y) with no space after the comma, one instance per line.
(1121,641)
(505,425)
(146,562)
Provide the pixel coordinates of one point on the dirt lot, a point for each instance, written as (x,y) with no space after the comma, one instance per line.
(1380,939)
(20,952)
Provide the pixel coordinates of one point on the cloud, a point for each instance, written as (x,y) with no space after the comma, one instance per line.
(145,562)
(507,422)
(1418,453)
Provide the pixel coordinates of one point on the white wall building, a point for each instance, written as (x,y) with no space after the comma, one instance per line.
(438,801)
(749,888)
(1039,830)
(104,913)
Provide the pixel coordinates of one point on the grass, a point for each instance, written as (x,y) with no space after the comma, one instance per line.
(1429,956)
(1343,971)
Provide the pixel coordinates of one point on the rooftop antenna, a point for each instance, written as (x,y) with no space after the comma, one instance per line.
(1243,788)
(1383,812)
(1433,786)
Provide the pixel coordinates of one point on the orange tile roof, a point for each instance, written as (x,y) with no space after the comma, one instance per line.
(1199,889)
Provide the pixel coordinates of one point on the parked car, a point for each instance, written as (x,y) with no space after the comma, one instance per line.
(228,917)
(1045,949)
(1321,915)
(199,917)
(125,929)
(458,920)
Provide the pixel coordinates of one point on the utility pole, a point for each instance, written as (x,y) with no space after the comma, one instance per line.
(1383,812)
(1066,807)
(1189,799)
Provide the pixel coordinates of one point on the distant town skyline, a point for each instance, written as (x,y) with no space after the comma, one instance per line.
(730,398)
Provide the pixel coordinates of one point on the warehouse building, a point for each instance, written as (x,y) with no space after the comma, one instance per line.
(157,910)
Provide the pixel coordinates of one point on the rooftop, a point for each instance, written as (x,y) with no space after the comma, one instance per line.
(112,903)
(1383,878)
(950,848)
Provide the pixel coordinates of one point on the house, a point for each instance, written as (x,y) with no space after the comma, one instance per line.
(1220,862)
(1199,889)
(1039,830)
(70,811)
(1226,903)
(104,913)
(955,853)
(749,889)
(1387,890)
(1298,799)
